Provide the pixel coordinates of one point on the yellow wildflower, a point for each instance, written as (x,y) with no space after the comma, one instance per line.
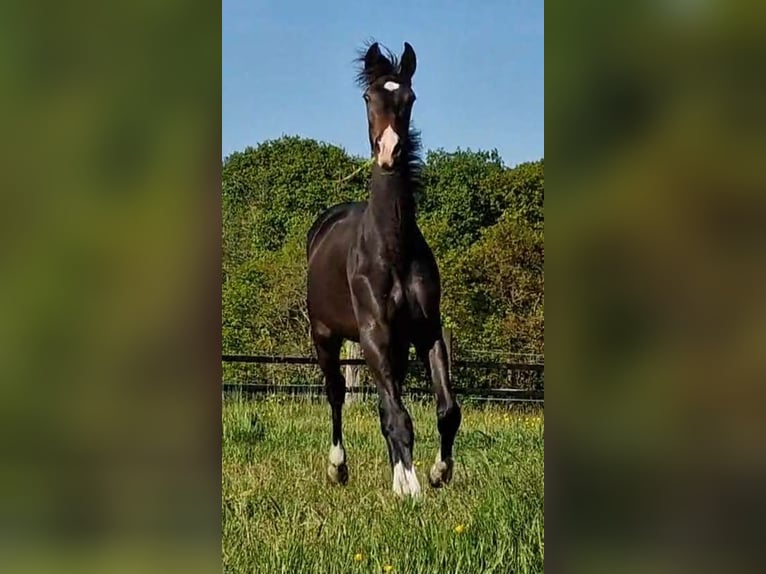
(460,528)
(358,556)
(388,568)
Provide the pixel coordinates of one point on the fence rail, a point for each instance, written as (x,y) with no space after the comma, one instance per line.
(270,360)
(486,394)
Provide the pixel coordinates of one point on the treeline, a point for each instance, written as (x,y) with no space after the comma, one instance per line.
(483,220)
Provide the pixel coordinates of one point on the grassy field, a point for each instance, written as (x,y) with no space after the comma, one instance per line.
(281,515)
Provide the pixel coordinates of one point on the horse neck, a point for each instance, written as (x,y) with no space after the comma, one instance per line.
(392,208)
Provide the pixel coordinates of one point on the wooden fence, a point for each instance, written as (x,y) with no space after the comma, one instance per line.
(531,395)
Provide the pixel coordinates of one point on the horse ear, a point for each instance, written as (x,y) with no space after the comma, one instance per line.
(409,62)
(372,57)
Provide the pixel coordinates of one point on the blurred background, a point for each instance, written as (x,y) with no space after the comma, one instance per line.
(109,287)
(656,219)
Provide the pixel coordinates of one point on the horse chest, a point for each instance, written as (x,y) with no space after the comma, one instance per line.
(396,296)
(379,296)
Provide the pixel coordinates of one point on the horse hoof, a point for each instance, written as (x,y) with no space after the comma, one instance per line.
(441,473)
(338,474)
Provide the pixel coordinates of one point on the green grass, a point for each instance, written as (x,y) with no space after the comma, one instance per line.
(280,514)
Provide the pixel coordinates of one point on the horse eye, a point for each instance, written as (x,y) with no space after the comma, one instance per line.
(366,97)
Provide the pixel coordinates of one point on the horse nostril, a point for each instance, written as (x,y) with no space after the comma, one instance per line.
(397,150)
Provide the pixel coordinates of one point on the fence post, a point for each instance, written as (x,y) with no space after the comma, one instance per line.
(352,373)
(447,336)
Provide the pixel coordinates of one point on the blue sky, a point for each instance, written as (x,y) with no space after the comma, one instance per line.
(287,69)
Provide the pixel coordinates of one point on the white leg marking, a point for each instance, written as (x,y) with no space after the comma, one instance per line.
(337,471)
(405,481)
(412,481)
(337,454)
(441,471)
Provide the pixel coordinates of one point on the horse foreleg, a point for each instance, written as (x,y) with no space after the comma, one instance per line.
(387,364)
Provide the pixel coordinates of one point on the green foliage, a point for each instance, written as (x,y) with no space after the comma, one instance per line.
(483,220)
(495,288)
(522,189)
(273,187)
(460,192)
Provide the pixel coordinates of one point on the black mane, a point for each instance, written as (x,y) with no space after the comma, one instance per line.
(414,161)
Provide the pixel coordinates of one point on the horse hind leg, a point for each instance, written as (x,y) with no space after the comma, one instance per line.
(328,353)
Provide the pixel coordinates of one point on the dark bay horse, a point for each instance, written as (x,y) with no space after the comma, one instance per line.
(373,279)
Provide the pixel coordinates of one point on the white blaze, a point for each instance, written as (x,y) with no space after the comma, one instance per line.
(386,145)
(391,86)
